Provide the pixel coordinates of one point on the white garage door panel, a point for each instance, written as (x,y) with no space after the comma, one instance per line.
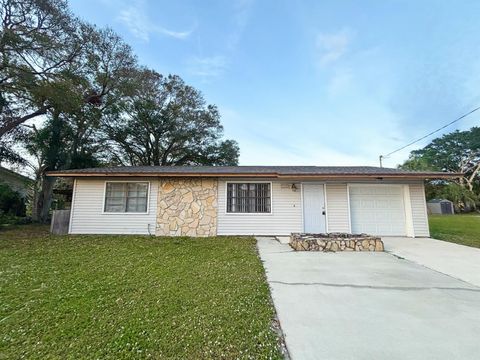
(377,210)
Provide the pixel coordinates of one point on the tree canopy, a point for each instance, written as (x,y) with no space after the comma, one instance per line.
(457,152)
(39,42)
(166,122)
(92,102)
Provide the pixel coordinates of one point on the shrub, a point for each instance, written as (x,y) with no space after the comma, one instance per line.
(11,202)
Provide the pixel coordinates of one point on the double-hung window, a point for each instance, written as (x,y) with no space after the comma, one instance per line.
(126,197)
(248,198)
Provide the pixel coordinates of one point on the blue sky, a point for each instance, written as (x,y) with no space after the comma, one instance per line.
(313,82)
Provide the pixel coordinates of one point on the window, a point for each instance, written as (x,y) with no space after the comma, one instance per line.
(248,198)
(126,197)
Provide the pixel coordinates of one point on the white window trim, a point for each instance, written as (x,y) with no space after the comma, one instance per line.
(72,206)
(251,213)
(349,209)
(303,207)
(125,213)
(407,204)
(325,207)
(425,211)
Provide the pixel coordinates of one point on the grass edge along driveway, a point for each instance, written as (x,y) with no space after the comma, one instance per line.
(459,229)
(132,297)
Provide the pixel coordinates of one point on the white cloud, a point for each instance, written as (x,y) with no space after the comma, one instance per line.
(136,19)
(331,47)
(242,9)
(207,67)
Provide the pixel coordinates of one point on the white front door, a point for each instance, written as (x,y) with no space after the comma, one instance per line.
(313,208)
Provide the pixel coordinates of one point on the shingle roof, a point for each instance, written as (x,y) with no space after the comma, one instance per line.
(267,171)
(434,201)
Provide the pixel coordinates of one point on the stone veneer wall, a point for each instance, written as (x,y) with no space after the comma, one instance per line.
(187,207)
(335,242)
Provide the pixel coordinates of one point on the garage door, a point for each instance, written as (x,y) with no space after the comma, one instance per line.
(377,210)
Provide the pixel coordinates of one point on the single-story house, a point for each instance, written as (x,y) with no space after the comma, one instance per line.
(248,200)
(17,182)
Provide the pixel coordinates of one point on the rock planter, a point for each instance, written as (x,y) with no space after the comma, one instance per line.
(335,242)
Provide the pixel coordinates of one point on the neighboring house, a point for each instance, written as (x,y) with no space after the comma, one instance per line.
(246,200)
(16,182)
(440,206)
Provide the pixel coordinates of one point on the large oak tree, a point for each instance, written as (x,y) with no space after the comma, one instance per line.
(92,104)
(457,152)
(39,40)
(166,122)
(69,138)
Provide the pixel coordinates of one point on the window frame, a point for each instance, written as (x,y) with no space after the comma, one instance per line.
(125,212)
(248,213)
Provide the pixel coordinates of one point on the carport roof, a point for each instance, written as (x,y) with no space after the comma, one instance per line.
(255,171)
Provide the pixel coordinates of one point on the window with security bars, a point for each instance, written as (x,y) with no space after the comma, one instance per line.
(248,198)
(126,197)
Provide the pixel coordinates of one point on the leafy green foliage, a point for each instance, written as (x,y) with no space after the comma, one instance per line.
(59,144)
(462,198)
(96,104)
(124,297)
(11,202)
(53,63)
(457,152)
(418,163)
(39,42)
(166,122)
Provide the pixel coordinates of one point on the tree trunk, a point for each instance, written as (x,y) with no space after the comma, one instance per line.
(44,199)
(35,216)
(471,179)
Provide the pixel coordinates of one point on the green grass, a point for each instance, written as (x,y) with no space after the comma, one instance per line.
(123,297)
(460,229)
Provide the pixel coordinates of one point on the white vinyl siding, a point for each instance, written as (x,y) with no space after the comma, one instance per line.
(88,216)
(338,212)
(285,216)
(419,210)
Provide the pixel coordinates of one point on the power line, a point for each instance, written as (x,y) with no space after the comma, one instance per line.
(429,134)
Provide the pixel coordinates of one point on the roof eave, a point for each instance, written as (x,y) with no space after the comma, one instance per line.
(430,176)
(153,174)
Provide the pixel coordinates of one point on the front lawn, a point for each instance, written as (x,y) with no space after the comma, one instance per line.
(460,229)
(132,297)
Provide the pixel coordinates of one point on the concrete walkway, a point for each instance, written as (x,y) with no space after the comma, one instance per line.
(369,306)
(458,261)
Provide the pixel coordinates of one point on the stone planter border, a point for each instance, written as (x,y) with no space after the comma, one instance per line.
(335,242)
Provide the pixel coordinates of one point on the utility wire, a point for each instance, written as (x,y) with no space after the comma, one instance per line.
(429,134)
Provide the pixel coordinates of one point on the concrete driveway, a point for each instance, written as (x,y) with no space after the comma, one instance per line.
(459,261)
(369,306)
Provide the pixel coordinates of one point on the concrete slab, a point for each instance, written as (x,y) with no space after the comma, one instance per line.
(283,239)
(459,261)
(369,306)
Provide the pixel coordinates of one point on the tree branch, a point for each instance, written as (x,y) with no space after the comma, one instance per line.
(11,123)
